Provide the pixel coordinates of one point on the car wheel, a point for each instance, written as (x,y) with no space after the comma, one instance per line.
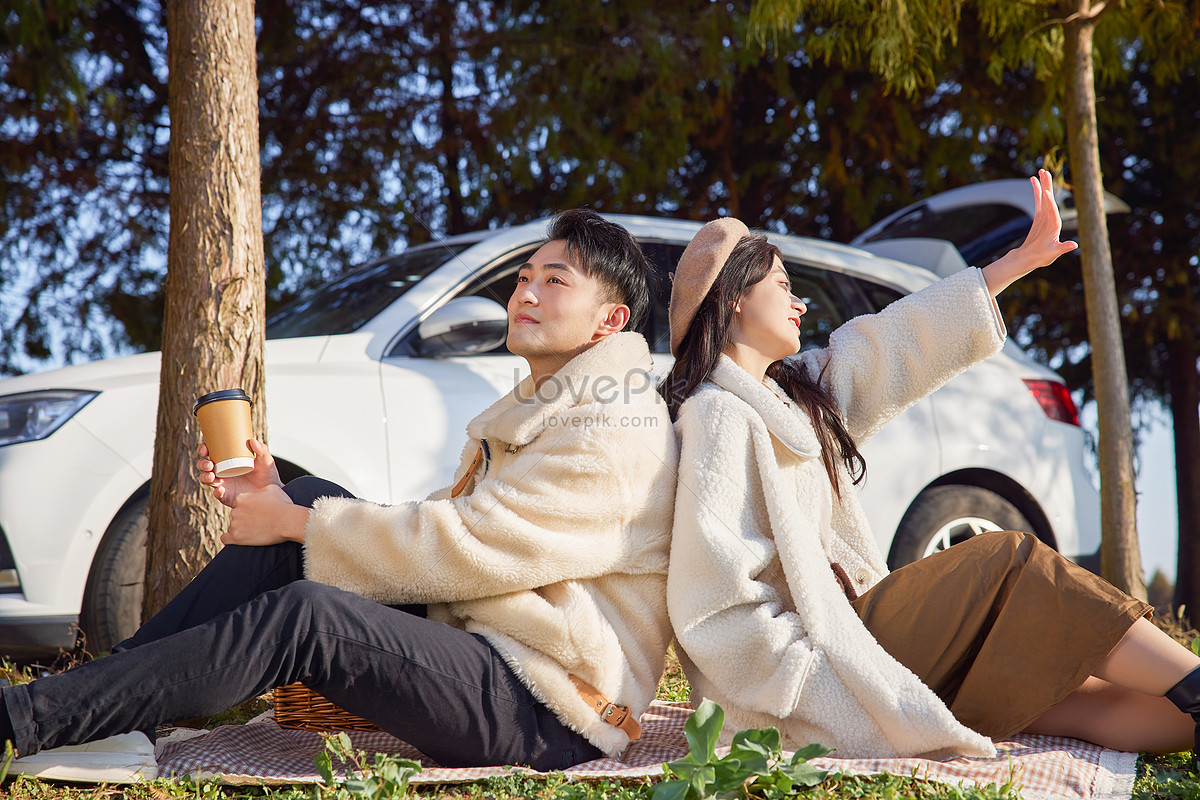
(946,515)
(112,598)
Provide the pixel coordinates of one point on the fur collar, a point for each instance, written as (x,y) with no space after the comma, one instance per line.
(787,422)
(609,373)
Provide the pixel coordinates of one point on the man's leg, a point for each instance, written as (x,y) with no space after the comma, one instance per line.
(235,575)
(443,690)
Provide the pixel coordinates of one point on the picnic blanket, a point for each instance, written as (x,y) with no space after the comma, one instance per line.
(261,752)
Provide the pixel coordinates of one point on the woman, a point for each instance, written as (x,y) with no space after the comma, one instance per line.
(781,602)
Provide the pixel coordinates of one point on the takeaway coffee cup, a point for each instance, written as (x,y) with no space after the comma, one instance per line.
(225,425)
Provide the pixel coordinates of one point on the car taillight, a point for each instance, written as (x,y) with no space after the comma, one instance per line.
(1055,400)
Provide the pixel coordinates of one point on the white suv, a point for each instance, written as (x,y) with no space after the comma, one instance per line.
(372,378)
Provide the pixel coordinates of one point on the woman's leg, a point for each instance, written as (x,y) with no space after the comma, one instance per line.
(1001,627)
(443,690)
(1119,718)
(235,575)
(1122,706)
(1147,660)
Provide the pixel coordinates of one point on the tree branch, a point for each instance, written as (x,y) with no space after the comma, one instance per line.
(1090,18)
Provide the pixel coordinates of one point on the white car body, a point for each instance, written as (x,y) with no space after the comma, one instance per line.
(390,427)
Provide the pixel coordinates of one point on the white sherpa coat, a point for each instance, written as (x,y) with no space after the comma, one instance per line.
(556,552)
(766,630)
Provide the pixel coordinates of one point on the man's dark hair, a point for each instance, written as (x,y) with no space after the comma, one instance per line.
(609,253)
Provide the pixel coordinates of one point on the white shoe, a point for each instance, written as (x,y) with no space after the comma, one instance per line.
(125,758)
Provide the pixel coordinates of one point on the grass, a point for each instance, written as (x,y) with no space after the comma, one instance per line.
(1160,777)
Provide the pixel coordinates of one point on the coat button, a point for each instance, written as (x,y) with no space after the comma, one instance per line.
(861,575)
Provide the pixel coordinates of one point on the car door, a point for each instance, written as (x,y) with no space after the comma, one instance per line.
(905,456)
(429,400)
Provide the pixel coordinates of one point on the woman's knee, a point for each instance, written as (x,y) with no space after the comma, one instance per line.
(307,489)
(1018,545)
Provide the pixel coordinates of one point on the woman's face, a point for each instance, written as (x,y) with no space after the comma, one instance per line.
(767,317)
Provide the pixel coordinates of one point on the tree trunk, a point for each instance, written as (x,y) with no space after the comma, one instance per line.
(456,221)
(1184,386)
(1120,559)
(215,286)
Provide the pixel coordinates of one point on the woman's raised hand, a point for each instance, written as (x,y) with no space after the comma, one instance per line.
(1040,248)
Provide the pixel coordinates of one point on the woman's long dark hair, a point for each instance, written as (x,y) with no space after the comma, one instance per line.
(706,337)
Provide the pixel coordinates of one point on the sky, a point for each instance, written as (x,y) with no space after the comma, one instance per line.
(1156,510)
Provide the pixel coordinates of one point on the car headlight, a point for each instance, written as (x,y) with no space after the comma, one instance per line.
(30,416)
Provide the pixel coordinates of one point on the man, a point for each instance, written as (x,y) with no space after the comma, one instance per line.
(535,624)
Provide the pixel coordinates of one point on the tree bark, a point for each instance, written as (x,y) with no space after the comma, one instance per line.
(451,137)
(1120,559)
(215,286)
(1184,386)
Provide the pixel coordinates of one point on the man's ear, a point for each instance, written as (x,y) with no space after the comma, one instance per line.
(616,319)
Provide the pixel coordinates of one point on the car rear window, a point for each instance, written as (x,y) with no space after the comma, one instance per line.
(982,233)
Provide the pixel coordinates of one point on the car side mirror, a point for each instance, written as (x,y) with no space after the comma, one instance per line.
(463,326)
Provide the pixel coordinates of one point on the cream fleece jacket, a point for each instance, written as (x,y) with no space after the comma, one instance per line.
(556,551)
(765,629)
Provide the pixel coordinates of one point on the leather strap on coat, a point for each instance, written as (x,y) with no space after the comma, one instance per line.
(613,714)
(844,581)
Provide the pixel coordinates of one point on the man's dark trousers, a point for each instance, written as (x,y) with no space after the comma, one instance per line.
(249,623)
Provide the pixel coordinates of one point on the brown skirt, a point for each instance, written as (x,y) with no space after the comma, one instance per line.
(1001,627)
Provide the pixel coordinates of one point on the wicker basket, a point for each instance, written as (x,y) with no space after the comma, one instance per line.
(297,706)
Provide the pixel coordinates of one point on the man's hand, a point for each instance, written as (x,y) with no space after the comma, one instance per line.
(264,474)
(266,516)
(1040,248)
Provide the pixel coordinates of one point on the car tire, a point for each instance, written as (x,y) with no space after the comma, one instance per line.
(943,516)
(112,598)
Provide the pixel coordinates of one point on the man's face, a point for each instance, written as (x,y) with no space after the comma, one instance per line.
(556,312)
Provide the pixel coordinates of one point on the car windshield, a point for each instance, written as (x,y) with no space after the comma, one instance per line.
(347,303)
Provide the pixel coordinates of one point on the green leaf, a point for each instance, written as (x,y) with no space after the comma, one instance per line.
(701,780)
(806,774)
(760,741)
(324,765)
(730,772)
(811,751)
(671,790)
(703,730)
(686,766)
(9,754)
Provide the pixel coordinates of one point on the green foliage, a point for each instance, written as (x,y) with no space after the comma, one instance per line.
(754,765)
(1166,777)
(384,779)
(903,42)
(400,122)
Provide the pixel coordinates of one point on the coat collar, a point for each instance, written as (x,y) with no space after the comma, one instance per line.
(607,372)
(786,422)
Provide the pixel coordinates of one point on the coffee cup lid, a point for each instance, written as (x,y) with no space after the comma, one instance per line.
(223,394)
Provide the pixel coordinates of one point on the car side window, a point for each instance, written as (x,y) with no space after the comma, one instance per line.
(496,284)
(827,302)
(663,256)
(879,296)
(499,283)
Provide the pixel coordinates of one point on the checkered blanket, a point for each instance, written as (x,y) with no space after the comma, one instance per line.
(260,752)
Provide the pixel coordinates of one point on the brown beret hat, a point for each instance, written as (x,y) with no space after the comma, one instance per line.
(698,268)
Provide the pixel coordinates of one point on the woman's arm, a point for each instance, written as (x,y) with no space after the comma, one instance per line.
(878,365)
